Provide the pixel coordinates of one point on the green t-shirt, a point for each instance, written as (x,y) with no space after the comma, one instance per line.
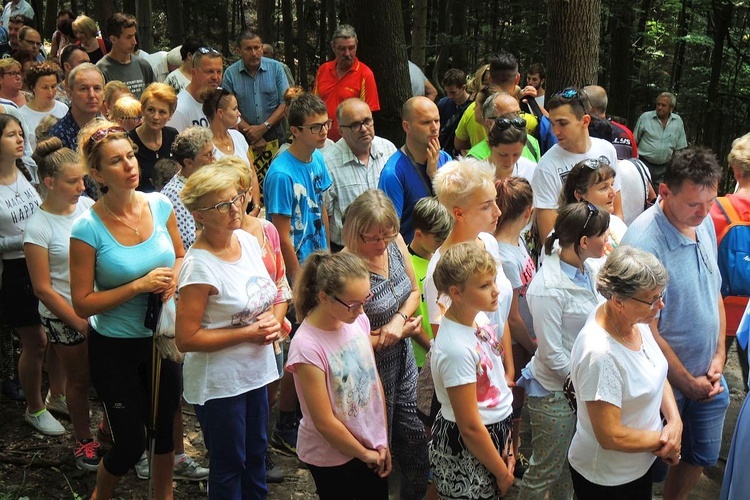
(420,271)
(482,150)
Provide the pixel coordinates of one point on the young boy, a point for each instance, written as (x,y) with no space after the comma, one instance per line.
(432,224)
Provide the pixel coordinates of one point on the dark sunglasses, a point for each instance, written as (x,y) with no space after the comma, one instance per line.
(571,94)
(505,123)
(596,163)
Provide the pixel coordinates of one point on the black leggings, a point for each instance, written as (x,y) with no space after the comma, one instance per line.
(640,489)
(121,373)
(351,481)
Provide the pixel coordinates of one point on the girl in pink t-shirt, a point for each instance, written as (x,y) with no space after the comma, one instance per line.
(343,435)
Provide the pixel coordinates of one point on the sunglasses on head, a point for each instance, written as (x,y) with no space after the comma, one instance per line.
(596,163)
(505,123)
(592,211)
(571,94)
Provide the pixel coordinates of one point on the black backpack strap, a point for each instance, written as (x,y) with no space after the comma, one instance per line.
(642,169)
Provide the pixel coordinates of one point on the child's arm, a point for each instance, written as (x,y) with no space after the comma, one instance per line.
(463,399)
(510,369)
(313,384)
(518,330)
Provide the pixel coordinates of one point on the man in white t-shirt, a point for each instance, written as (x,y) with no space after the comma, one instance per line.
(208,67)
(570,126)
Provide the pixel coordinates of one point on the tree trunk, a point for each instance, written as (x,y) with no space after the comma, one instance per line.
(572,43)
(621,57)
(175,26)
(103,9)
(288,20)
(323,45)
(302,43)
(382,47)
(265,20)
(459,31)
(721,11)
(145,26)
(223,18)
(50,20)
(443,62)
(679,57)
(419,33)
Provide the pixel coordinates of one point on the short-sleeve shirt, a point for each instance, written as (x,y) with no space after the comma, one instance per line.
(602,369)
(244,292)
(348,363)
(405,183)
(147,158)
(59,110)
(185,220)
(459,357)
(359,82)
(519,268)
(136,74)
(656,143)
(52,232)
(553,169)
(66,129)
(177,80)
(241,147)
(188,113)
(420,272)
(18,202)
(526,163)
(117,264)
(295,189)
(258,96)
(690,320)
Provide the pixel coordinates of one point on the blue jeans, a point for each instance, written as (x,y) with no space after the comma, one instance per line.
(235,434)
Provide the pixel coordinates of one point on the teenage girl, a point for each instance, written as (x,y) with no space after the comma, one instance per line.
(470,451)
(343,435)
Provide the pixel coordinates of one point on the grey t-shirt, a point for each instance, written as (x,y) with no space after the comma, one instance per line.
(137,74)
(520,270)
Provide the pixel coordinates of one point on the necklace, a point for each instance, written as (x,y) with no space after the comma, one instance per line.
(617,331)
(137,232)
(15,190)
(384,268)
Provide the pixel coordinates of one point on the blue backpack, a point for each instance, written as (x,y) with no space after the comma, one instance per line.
(734,252)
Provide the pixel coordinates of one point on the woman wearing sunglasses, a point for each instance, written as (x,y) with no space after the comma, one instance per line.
(223,114)
(620,377)
(506,140)
(560,297)
(371,231)
(593,181)
(123,249)
(226,326)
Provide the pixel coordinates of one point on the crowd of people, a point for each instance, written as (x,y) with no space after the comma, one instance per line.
(403,304)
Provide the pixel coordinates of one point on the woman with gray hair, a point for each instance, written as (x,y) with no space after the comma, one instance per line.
(620,379)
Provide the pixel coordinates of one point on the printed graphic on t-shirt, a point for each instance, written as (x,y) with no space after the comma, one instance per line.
(310,228)
(527,274)
(22,205)
(353,377)
(261,292)
(486,391)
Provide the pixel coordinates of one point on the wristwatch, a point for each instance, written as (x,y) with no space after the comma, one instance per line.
(268,125)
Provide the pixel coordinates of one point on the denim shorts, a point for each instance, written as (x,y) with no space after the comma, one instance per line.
(702,427)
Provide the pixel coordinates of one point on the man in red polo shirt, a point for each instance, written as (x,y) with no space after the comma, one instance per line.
(345,77)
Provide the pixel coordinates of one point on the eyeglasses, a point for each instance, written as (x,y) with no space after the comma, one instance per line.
(595,163)
(703,255)
(317,128)
(592,211)
(354,305)
(14,74)
(134,118)
(651,304)
(357,126)
(504,123)
(386,239)
(101,134)
(570,94)
(225,206)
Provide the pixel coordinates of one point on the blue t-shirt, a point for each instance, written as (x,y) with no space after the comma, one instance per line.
(118,264)
(406,183)
(295,189)
(689,321)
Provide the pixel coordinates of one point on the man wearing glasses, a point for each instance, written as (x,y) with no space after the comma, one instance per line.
(259,84)
(354,162)
(29,40)
(120,63)
(690,329)
(208,67)
(570,124)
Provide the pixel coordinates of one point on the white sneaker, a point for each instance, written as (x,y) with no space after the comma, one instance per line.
(45,423)
(57,404)
(187,469)
(141,467)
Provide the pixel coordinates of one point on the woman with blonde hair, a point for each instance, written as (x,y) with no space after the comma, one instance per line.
(11,83)
(152,136)
(371,231)
(87,33)
(125,248)
(226,326)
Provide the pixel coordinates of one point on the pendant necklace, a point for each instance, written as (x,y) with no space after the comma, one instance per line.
(135,229)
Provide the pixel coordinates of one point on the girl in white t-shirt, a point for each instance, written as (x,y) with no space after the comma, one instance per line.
(470,452)
(343,434)
(46,246)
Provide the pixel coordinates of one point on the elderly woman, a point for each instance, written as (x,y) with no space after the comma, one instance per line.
(371,231)
(226,325)
(42,80)
(87,33)
(223,114)
(11,82)
(123,249)
(620,378)
(153,138)
(560,297)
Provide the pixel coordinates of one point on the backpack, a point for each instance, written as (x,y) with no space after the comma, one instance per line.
(734,251)
(645,179)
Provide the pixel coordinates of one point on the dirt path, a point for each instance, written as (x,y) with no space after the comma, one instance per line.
(33,466)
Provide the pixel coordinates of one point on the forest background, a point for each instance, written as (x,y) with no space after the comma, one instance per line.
(698,49)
